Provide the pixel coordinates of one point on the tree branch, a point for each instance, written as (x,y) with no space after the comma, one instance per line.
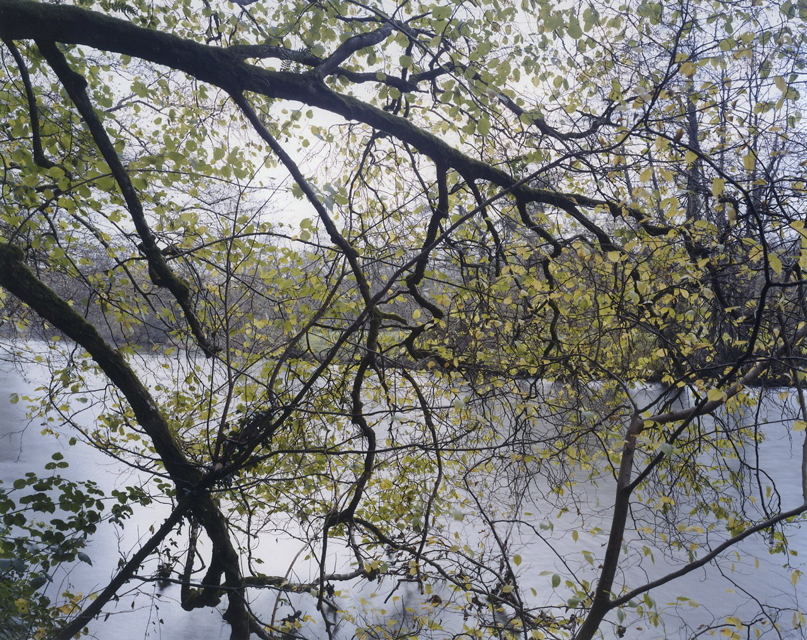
(625,486)
(351,46)
(726,544)
(307,189)
(224,68)
(75,85)
(16,278)
(75,626)
(33,110)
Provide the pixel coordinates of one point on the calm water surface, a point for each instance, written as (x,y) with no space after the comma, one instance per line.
(147,611)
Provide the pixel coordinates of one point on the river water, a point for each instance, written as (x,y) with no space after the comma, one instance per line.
(750,575)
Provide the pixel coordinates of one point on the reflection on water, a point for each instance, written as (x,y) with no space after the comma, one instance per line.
(148,609)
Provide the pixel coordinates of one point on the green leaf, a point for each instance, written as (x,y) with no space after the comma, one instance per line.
(574,29)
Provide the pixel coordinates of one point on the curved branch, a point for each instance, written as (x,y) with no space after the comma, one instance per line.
(33,110)
(16,278)
(439,214)
(351,46)
(226,69)
(75,85)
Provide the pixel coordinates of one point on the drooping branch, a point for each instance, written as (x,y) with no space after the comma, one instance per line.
(209,595)
(33,110)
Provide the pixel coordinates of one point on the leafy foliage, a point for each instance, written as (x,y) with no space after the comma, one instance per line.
(407,267)
(31,550)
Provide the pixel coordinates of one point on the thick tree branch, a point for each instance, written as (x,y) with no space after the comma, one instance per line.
(263,51)
(22,19)
(16,278)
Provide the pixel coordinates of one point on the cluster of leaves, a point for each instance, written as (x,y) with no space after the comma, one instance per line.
(515,215)
(46,522)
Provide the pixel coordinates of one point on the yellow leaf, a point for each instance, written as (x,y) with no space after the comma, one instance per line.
(718,186)
(516,559)
(646,175)
(614,256)
(731,213)
(749,161)
(715,395)
(776,263)
(799,425)
(690,157)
